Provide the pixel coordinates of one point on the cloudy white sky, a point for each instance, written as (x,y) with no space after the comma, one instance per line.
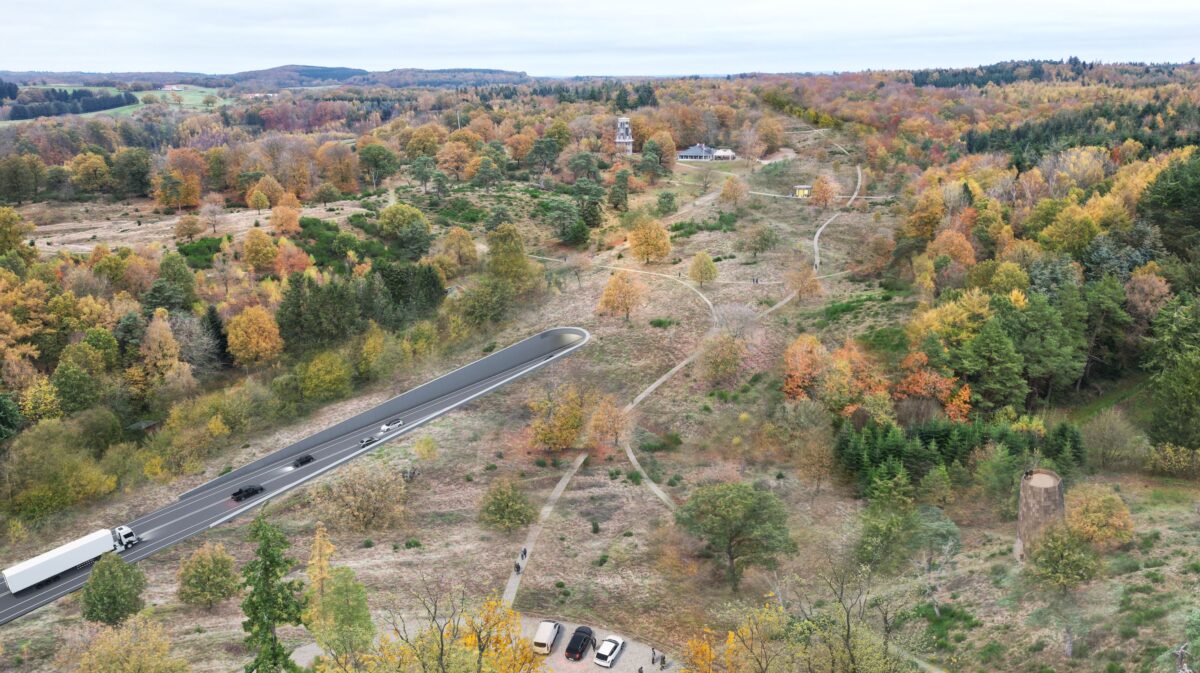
(593,37)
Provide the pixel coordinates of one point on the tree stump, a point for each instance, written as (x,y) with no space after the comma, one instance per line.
(1041,505)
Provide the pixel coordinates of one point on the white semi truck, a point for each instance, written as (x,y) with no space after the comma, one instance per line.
(47,567)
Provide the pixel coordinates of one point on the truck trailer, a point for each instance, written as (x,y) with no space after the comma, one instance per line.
(46,568)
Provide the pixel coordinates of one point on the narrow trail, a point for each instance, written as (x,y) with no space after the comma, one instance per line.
(514,579)
(711,309)
(817,236)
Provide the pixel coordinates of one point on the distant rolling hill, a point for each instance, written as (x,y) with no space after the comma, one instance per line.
(280,77)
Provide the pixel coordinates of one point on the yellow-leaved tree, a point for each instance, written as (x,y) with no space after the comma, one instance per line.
(649,240)
(608,421)
(702,269)
(621,295)
(559,417)
(254,337)
(318,571)
(259,251)
(138,645)
(734,191)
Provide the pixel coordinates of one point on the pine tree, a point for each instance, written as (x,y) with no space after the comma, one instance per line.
(618,195)
(270,600)
(993,368)
(215,327)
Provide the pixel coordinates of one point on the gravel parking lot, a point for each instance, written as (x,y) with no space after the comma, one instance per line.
(635,654)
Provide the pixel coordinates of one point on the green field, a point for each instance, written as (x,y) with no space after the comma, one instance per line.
(192,98)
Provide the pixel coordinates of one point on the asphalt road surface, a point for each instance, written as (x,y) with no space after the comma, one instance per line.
(210,504)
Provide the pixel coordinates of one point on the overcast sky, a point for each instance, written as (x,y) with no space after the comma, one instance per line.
(587,37)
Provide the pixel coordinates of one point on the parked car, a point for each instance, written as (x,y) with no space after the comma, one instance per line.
(302,461)
(248,491)
(581,640)
(546,636)
(391,425)
(367,441)
(609,650)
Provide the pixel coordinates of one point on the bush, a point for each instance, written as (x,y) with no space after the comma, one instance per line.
(326,377)
(208,576)
(199,253)
(506,507)
(462,210)
(364,496)
(1113,442)
(1096,513)
(1174,461)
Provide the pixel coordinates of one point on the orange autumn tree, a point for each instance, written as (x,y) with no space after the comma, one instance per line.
(854,382)
(921,380)
(952,244)
(823,192)
(804,363)
(285,220)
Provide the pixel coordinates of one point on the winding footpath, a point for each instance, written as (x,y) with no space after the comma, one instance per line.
(521,563)
(817,236)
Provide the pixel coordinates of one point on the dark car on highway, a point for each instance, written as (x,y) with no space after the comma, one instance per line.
(367,441)
(302,461)
(581,640)
(246,492)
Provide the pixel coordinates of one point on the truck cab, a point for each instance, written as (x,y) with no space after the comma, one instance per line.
(124,538)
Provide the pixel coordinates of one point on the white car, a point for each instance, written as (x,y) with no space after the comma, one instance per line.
(546,635)
(609,650)
(391,425)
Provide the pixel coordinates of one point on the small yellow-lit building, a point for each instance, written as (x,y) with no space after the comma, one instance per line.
(802,191)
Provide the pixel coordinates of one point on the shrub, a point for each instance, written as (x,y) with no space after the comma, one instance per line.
(208,576)
(363,497)
(1096,513)
(1113,442)
(199,253)
(506,507)
(326,377)
(1174,461)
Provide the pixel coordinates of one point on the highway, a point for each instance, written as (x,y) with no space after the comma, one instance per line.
(210,504)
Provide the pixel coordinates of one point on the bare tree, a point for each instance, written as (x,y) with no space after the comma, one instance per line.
(579,264)
(211,210)
(736,319)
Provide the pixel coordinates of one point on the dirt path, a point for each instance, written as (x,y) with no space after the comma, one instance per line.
(711,309)
(514,579)
(817,236)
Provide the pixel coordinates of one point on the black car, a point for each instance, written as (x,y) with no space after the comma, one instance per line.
(302,461)
(367,441)
(247,492)
(581,640)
